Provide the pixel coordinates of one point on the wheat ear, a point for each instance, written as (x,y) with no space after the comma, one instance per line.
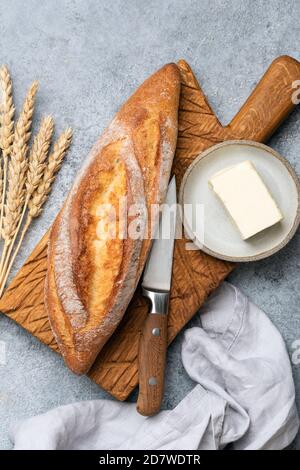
(36,167)
(41,193)
(7,128)
(37,158)
(17,171)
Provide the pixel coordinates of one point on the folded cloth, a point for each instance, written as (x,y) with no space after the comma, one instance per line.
(244,394)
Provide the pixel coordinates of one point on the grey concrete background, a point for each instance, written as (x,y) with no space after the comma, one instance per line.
(89,56)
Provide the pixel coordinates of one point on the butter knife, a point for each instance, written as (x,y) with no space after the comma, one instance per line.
(156,286)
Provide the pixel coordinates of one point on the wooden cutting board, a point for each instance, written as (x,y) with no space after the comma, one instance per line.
(196,274)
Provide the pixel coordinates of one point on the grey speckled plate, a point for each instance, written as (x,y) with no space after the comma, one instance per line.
(218,235)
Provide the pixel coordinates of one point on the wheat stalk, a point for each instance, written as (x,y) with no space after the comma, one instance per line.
(25,228)
(41,192)
(7,127)
(17,172)
(2,194)
(36,167)
(1,181)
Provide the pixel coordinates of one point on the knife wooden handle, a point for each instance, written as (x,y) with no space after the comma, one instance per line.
(152,361)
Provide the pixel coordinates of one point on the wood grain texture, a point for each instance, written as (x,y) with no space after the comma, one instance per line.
(196,274)
(152,355)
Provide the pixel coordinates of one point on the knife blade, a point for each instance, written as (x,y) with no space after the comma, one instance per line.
(156,285)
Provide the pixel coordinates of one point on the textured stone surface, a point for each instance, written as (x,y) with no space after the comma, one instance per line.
(89,56)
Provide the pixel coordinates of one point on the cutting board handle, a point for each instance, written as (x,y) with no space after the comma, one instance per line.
(270,103)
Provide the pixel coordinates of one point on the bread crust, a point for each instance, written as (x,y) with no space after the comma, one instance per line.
(90,281)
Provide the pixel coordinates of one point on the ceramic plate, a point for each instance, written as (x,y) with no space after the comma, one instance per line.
(217,234)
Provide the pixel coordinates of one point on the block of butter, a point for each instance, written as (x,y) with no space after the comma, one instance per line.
(246,198)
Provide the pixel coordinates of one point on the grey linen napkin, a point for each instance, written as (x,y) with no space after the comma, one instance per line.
(244,394)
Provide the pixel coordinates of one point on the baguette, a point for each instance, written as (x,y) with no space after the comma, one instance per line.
(91,279)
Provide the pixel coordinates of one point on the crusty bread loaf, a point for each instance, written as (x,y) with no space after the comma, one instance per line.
(90,279)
